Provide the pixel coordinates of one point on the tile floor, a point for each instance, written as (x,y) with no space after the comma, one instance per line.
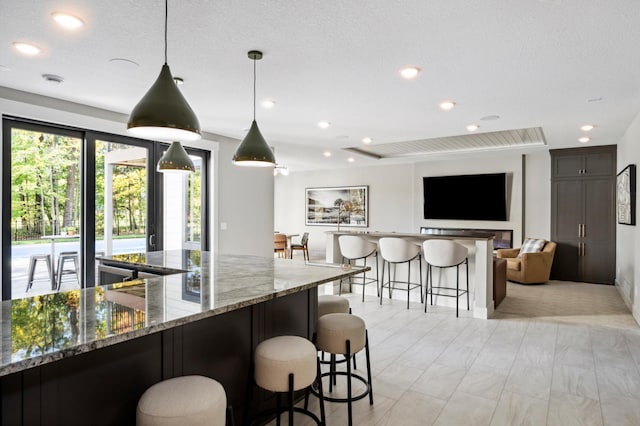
(559,354)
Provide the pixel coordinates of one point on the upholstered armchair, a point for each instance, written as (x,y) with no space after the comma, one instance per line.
(530,268)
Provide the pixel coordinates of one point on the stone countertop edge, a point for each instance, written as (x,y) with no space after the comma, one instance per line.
(453,236)
(81,348)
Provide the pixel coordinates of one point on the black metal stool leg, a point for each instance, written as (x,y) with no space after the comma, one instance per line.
(290,399)
(467,262)
(349,402)
(321,393)
(366,348)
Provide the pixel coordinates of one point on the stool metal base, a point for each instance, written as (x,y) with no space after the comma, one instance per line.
(349,375)
(291,408)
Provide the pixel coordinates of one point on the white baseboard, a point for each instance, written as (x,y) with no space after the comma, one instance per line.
(635,310)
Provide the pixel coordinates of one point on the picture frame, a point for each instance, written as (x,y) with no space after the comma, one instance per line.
(346,206)
(626,195)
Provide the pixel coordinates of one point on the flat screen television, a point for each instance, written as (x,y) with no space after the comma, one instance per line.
(466,197)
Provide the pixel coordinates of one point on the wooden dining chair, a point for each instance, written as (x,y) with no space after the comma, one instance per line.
(304,246)
(280,245)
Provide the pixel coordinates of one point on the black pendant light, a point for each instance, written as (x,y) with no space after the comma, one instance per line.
(163,113)
(176,159)
(253,150)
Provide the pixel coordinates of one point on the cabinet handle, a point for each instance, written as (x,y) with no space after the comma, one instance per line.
(579,230)
(584,230)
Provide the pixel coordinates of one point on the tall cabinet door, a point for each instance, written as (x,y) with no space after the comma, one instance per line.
(583,214)
(598,255)
(567,198)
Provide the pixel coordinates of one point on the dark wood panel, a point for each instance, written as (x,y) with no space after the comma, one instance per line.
(11,406)
(599,210)
(567,202)
(566,166)
(600,164)
(596,264)
(288,315)
(102,386)
(220,347)
(584,199)
(566,266)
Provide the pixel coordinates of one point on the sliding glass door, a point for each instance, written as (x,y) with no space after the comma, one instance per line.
(42,225)
(70,195)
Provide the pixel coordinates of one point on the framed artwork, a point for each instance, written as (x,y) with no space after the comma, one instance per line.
(626,195)
(337,206)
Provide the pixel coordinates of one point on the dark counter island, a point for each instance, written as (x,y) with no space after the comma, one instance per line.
(86,356)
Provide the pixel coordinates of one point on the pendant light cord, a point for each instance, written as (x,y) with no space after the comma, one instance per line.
(254,89)
(166,18)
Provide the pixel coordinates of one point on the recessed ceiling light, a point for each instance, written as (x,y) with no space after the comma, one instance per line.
(52,79)
(67,20)
(327,153)
(584,139)
(323,124)
(268,103)
(351,159)
(447,105)
(26,48)
(367,140)
(490,117)
(178,80)
(472,127)
(587,127)
(409,73)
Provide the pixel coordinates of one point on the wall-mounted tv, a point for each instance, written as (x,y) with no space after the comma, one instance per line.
(466,197)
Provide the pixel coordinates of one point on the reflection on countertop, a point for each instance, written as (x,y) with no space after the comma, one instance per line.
(41,329)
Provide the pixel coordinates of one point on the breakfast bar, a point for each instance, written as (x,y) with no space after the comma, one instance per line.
(86,356)
(482,281)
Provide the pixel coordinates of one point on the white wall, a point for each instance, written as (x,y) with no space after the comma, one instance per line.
(395,195)
(245,207)
(537,223)
(391,202)
(244,197)
(627,236)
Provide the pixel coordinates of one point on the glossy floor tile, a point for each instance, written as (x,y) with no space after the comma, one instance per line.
(550,363)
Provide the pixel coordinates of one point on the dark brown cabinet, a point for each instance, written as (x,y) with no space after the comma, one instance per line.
(583,214)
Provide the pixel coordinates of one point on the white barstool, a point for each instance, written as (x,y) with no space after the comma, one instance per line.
(332,304)
(394,251)
(354,248)
(445,254)
(186,400)
(344,334)
(287,364)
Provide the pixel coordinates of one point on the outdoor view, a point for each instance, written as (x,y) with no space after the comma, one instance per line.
(46,209)
(46,201)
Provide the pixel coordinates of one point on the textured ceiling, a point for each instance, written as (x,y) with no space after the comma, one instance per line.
(549,64)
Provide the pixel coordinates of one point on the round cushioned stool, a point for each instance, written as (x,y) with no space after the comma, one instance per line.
(288,364)
(344,334)
(331,304)
(186,400)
